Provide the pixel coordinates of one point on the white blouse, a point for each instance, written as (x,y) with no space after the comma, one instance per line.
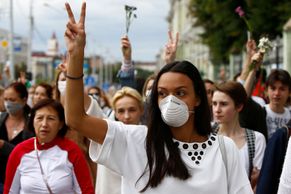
(123,151)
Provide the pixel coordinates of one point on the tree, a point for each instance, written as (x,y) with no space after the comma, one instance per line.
(225,32)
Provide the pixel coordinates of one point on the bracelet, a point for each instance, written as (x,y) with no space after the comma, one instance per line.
(74,78)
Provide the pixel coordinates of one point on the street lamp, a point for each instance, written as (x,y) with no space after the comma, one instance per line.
(277,47)
(30,34)
(11,47)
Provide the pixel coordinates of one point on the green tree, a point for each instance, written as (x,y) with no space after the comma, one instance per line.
(225,32)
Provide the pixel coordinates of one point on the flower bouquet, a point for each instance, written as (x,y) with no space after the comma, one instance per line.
(264,47)
(129,16)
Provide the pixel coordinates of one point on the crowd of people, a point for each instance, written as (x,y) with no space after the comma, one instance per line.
(180,134)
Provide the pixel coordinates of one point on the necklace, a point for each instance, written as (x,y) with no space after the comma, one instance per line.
(14,127)
(17,128)
(196,151)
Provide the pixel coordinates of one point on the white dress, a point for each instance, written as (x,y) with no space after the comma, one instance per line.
(123,151)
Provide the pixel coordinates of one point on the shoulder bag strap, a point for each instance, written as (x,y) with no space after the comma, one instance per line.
(250,137)
(41,169)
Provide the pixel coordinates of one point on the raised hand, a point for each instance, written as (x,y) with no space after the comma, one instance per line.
(257,60)
(63,65)
(126,49)
(171,48)
(75,35)
(251,47)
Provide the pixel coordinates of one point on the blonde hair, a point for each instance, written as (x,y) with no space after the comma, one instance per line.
(127,91)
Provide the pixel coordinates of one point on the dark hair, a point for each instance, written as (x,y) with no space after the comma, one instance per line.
(208,81)
(101,94)
(151,77)
(281,76)
(57,94)
(159,134)
(21,90)
(235,91)
(57,106)
(48,89)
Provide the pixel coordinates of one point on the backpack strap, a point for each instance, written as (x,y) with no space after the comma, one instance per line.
(224,156)
(250,137)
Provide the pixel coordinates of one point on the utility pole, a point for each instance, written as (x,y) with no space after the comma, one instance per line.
(30,34)
(11,45)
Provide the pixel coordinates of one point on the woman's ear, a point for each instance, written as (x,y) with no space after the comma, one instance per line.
(61,125)
(240,107)
(198,101)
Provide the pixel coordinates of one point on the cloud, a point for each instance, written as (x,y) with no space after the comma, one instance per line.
(105,24)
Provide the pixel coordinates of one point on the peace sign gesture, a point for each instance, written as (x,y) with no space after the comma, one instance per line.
(75,35)
(171,48)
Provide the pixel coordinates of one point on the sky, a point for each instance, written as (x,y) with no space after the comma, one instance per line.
(105,25)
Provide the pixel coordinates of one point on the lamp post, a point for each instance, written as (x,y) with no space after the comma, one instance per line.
(29,45)
(277,52)
(11,45)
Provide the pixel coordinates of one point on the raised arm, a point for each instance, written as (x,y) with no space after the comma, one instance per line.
(251,77)
(63,67)
(126,50)
(75,36)
(126,72)
(171,48)
(251,50)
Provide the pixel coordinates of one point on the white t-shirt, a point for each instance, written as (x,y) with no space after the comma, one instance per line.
(107,182)
(285,179)
(259,100)
(260,146)
(276,120)
(123,151)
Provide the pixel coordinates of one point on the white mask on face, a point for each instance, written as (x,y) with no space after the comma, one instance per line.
(62,87)
(174,111)
(29,100)
(148,93)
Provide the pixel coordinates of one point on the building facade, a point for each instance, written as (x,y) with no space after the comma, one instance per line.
(190,47)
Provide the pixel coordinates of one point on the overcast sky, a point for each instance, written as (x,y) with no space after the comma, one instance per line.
(105,24)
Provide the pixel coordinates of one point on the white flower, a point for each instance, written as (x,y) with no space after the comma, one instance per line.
(264,45)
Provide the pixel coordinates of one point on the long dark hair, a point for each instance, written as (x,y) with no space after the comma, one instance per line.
(159,135)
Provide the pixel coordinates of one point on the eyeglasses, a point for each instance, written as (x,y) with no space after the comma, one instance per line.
(94,94)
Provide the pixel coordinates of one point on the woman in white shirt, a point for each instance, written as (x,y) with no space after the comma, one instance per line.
(227,101)
(177,152)
(127,104)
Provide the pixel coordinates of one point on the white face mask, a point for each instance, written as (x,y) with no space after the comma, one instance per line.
(174,111)
(29,100)
(148,93)
(62,87)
